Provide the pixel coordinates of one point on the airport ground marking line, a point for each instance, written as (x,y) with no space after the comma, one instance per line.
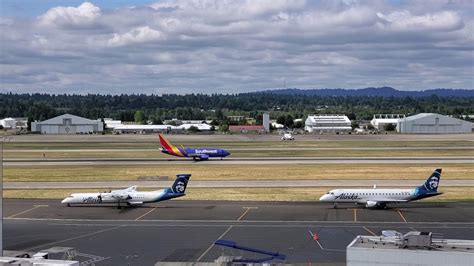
(210,247)
(401,215)
(145,214)
(368,230)
(23,212)
(355,215)
(245,212)
(76,237)
(237,223)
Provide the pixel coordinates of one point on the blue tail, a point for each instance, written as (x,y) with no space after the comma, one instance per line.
(179,185)
(431,184)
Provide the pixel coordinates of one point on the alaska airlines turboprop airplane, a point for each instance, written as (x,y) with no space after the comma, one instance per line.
(196,153)
(131,196)
(379,198)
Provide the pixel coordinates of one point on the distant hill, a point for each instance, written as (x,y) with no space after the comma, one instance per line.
(383,92)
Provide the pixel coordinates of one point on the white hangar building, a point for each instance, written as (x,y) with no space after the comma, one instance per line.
(327,123)
(430,123)
(67,124)
(380,121)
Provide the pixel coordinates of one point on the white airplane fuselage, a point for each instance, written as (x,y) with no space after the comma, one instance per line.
(133,198)
(376,198)
(362,196)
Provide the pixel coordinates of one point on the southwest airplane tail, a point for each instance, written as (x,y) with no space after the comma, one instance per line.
(168,148)
(195,153)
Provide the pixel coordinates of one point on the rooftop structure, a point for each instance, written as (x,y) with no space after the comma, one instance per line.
(412,248)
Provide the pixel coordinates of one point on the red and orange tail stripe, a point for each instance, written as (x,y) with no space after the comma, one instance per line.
(170,147)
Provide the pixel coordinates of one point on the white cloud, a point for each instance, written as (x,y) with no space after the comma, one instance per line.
(243,44)
(137,35)
(405,21)
(83,15)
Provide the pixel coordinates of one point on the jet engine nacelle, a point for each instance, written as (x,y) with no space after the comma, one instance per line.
(371,204)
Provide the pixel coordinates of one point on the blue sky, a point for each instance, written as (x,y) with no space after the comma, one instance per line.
(208,46)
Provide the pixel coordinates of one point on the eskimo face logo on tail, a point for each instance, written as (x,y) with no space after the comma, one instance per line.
(433,183)
(180,187)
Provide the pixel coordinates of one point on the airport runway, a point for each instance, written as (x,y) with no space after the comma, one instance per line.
(186,231)
(289,148)
(235,183)
(241,160)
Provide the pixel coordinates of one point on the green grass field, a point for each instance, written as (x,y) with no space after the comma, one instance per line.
(202,171)
(236,144)
(241,194)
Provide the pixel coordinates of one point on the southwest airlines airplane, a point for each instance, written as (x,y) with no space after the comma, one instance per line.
(196,153)
(379,198)
(131,196)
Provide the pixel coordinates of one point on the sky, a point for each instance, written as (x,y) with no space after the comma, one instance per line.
(223,46)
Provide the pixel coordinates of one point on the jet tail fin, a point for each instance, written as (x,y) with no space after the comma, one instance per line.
(170,148)
(431,184)
(179,185)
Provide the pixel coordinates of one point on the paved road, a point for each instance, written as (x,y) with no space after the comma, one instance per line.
(235,184)
(185,231)
(249,149)
(242,160)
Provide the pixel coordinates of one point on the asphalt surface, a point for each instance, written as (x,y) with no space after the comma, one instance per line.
(185,230)
(236,184)
(239,161)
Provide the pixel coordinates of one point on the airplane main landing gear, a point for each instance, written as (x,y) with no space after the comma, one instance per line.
(335,205)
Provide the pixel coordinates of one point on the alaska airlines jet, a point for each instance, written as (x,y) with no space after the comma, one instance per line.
(130,195)
(378,198)
(196,153)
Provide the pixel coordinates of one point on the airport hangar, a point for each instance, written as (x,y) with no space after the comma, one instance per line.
(67,124)
(431,123)
(328,124)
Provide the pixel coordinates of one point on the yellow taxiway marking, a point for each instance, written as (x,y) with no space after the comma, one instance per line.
(368,230)
(23,212)
(401,215)
(209,248)
(355,214)
(246,211)
(145,214)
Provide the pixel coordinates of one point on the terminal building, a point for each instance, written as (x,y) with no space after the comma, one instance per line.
(430,123)
(412,248)
(380,121)
(67,124)
(328,124)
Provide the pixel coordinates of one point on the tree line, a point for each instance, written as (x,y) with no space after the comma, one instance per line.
(157,108)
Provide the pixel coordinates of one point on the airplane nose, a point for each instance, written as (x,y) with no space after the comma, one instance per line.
(66,200)
(323,198)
